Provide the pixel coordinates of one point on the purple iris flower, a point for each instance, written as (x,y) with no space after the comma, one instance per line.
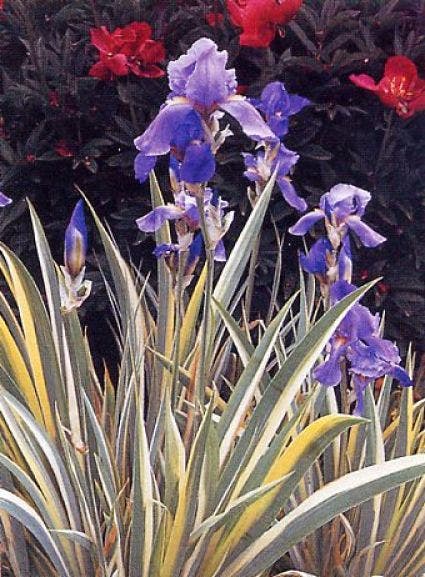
(184,208)
(189,151)
(200,84)
(76,242)
(342,208)
(4,200)
(260,166)
(357,340)
(278,105)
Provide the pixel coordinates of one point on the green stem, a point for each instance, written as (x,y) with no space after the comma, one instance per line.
(177,325)
(206,321)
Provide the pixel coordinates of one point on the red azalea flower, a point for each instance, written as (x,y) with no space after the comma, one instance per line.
(400,88)
(259,19)
(214,18)
(128,49)
(63,149)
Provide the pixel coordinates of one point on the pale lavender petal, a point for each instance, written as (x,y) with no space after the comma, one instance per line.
(329,372)
(249,118)
(367,235)
(290,195)
(306,222)
(153,221)
(157,137)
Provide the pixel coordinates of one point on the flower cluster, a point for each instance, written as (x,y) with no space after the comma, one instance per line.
(126,50)
(276,105)
(185,214)
(187,124)
(259,19)
(400,88)
(356,340)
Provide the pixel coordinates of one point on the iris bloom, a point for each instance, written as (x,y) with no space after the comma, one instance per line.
(74,289)
(260,166)
(259,19)
(342,209)
(200,85)
(278,105)
(400,88)
(357,341)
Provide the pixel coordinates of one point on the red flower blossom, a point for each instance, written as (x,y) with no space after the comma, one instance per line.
(259,19)
(125,50)
(62,148)
(214,18)
(400,88)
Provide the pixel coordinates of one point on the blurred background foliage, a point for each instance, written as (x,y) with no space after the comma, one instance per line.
(60,127)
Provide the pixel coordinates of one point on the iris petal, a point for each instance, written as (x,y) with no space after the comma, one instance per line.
(153,221)
(198,164)
(306,222)
(142,166)
(290,195)
(367,235)
(249,118)
(157,138)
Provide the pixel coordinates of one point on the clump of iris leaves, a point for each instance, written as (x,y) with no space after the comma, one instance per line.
(50,100)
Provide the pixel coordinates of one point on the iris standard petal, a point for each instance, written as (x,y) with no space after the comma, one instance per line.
(157,137)
(290,195)
(248,117)
(306,222)
(367,235)
(153,221)
(142,166)
(198,164)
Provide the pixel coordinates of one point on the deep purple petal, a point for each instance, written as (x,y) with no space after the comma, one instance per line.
(165,250)
(196,250)
(76,241)
(153,221)
(315,261)
(360,385)
(4,200)
(367,235)
(188,130)
(201,74)
(157,137)
(290,195)
(142,166)
(401,376)
(220,252)
(249,118)
(198,164)
(303,225)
